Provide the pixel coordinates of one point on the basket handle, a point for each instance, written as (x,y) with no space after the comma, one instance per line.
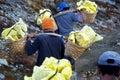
(11,30)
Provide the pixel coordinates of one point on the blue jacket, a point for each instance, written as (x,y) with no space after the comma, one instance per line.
(65,22)
(47,46)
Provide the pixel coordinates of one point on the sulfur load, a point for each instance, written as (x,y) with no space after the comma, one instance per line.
(85,37)
(43,13)
(49,67)
(87,6)
(16,32)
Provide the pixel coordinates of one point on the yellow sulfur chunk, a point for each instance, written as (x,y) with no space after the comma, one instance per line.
(67,72)
(95,5)
(44,13)
(79,3)
(50,63)
(82,39)
(87,6)
(9,34)
(21,28)
(27,78)
(41,72)
(39,21)
(72,37)
(45,71)
(85,9)
(58,76)
(16,32)
(90,5)
(93,36)
(62,64)
(10,38)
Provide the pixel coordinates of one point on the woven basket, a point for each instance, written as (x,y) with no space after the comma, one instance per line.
(74,50)
(17,47)
(88,17)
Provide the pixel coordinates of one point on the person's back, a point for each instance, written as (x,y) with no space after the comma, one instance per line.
(65,19)
(65,23)
(48,44)
(109,66)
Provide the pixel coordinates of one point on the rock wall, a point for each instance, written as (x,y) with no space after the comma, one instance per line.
(51,4)
(12,10)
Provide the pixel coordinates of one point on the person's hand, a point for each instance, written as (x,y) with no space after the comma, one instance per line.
(30,36)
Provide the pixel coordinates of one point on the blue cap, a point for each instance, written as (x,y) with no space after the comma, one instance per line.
(110,58)
(63,5)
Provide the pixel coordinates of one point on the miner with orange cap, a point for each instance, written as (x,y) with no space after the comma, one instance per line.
(47,43)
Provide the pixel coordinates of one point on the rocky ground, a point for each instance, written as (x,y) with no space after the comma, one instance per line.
(107,24)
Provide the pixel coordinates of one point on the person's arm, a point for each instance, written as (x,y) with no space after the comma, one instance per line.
(77,17)
(32,46)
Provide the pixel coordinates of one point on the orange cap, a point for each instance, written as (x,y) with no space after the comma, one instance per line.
(48,24)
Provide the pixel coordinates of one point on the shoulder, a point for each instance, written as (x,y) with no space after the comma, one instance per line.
(64,13)
(40,36)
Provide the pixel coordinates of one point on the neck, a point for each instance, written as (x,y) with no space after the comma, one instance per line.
(107,77)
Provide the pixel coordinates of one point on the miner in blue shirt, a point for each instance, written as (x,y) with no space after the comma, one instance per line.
(65,19)
(47,44)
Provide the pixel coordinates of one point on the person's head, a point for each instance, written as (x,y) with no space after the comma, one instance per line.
(49,24)
(63,6)
(109,63)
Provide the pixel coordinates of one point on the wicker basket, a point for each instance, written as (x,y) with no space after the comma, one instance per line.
(74,50)
(17,47)
(88,17)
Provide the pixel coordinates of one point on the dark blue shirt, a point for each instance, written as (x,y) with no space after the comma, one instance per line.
(47,46)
